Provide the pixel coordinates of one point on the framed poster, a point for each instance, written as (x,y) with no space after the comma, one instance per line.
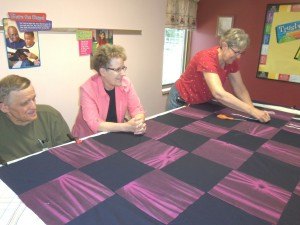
(280,49)
(22,48)
(224,23)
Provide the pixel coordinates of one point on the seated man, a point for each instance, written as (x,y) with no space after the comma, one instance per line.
(25,127)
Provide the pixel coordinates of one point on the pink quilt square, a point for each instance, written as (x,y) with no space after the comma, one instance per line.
(157,130)
(192,113)
(63,199)
(256,129)
(79,155)
(255,196)
(160,195)
(155,153)
(206,129)
(282,152)
(292,127)
(223,153)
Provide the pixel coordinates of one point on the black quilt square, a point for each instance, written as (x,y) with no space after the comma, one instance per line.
(272,170)
(209,210)
(291,214)
(114,211)
(275,122)
(184,139)
(288,138)
(121,140)
(243,140)
(220,122)
(174,120)
(210,107)
(197,171)
(32,172)
(116,170)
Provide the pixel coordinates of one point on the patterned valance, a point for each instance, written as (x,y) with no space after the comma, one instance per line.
(181,14)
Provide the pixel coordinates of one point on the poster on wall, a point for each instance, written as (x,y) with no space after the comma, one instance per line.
(280,50)
(84,38)
(102,37)
(22,48)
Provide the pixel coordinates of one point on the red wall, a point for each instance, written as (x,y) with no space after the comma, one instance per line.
(248,15)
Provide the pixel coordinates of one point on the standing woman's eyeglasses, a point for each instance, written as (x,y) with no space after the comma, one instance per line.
(236,52)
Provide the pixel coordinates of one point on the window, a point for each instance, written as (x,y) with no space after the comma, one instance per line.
(175,49)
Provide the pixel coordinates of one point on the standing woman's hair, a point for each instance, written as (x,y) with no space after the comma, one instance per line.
(236,37)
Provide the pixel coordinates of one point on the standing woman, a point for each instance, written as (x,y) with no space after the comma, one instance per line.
(207,72)
(107,96)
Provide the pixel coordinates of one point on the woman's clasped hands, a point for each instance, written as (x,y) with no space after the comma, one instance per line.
(137,125)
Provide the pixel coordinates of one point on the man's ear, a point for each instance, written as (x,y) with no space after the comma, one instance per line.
(3,107)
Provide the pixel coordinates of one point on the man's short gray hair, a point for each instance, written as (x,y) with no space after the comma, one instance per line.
(12,83)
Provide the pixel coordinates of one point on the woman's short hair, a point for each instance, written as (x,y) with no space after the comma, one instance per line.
(103,55)
(12,83)
(236,37)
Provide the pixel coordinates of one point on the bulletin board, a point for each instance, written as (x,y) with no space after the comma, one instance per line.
(280,49)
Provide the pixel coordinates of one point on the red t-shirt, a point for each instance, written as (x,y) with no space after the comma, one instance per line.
(192,86)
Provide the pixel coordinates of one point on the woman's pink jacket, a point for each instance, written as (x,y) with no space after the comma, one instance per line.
(94,103)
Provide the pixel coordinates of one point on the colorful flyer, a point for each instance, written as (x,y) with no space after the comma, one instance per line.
(102,37)
(85,47)
(84,34)
(22,48)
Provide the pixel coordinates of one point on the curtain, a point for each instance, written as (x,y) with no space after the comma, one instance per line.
(181,14)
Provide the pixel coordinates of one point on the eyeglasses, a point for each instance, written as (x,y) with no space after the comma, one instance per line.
(118,70)
(236,52)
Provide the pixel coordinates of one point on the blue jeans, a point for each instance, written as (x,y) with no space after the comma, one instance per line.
(172,102)
(26,63)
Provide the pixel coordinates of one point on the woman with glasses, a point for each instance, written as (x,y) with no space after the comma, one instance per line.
(207,72)
(107,96)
